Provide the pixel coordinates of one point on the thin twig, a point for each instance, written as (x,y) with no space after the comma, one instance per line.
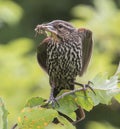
(14,126)
(81,89)
(68,93)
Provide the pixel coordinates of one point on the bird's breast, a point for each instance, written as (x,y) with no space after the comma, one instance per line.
(63,60)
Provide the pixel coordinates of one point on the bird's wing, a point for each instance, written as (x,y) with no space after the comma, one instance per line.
(87,44)
(42,53)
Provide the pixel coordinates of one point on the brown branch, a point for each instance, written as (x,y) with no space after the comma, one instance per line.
(14,126)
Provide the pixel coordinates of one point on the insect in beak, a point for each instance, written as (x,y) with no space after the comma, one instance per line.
(46,29)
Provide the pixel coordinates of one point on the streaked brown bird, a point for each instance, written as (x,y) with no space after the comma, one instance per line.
(63,54)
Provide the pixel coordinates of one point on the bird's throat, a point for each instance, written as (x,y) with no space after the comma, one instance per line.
(55,38)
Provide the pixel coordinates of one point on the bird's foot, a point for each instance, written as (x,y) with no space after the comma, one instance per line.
(52,101)
(86,86)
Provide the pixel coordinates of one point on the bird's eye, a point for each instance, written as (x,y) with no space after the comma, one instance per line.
(60,26)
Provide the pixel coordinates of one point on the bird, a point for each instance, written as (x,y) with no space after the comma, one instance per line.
(64,54)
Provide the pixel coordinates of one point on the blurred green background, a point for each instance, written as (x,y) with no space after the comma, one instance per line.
(20,75)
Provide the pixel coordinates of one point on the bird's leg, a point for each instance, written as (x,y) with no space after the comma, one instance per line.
(85,86)
(52,98)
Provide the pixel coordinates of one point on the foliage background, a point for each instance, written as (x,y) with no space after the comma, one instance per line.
(21,77)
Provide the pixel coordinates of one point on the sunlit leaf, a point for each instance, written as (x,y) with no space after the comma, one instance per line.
(3,115)
(36,118)
(55,126)
(84,101)
(20,46)
(83,11)
(105,7)
(40,118)
(118,71)
(10,12)
(100,125)
(35,101)
(105,89)
(67,125)
(117,97)
(67,106)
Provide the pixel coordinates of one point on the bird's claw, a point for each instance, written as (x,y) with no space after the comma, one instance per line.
(52,101)
(88,86)
(85,86)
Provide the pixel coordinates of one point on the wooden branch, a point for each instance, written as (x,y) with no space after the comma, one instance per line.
(14,126)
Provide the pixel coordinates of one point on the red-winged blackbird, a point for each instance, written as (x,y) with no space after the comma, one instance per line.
(63,54)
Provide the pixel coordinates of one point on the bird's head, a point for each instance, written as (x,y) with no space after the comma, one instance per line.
(58,29)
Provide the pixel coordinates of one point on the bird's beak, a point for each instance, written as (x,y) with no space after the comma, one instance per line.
(44,28)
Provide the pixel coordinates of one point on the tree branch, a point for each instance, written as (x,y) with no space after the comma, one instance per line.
(14,126)
(81,89)
(70,92)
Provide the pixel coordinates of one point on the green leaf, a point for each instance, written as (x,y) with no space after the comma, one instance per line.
(3,115)
(105,89)
(118,70)
(36,118)
(8,11)
(117,97)
(55,126)
(41,118)
(67,105)
(100,125)
(84,101)
(35,101)
(78,10)
(66,124)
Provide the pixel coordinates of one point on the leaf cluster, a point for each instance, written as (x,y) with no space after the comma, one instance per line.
(37,115)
